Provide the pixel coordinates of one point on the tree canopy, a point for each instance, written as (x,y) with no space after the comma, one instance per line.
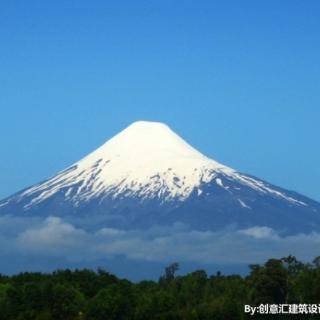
(99,295)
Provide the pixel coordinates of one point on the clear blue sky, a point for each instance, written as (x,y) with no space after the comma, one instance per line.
(240,80)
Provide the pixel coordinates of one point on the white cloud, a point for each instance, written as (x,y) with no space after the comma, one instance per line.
(259,232)
(54,237)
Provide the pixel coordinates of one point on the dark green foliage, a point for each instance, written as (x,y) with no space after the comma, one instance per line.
(269,283)
(169,273)
(89,295)
(112,303)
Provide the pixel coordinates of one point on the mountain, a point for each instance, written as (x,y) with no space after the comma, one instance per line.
(147,175)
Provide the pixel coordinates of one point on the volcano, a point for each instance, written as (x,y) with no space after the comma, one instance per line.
(147,175)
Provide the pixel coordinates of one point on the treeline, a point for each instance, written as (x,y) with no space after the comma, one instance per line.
(85,294)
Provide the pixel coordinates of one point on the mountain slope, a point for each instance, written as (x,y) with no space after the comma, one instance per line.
(147,175)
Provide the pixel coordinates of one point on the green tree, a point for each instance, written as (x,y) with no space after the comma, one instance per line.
(268,284)
(67,302)
(169,273)
(112,303)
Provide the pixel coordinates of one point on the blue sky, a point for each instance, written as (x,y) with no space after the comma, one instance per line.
(237,79)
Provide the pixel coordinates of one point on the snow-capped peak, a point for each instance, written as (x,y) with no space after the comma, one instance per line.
(148,147)
(147,160)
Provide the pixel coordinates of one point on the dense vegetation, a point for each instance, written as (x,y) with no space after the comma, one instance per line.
(84,294)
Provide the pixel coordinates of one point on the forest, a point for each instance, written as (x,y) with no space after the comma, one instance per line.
(99,295)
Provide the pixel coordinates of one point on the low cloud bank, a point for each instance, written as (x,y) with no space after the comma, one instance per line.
(53,237)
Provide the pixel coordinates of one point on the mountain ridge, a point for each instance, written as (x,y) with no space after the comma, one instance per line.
(148,173)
